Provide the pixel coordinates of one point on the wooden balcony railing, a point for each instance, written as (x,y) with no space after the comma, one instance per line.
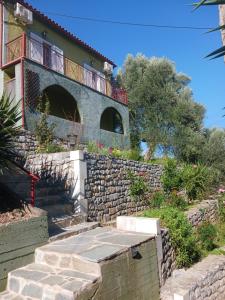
(50,57)
(14,50)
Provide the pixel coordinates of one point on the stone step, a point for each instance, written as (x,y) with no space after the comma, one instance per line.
(58,210)
(86,250)
(47,200)
(49,190)
(12,296)
(72,230)
(43,282)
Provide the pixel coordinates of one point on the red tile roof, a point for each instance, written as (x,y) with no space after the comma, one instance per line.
(42,17)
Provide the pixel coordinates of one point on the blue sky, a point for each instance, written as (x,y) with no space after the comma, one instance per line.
(186,48)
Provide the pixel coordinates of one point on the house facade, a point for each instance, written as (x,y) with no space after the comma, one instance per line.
(40,60)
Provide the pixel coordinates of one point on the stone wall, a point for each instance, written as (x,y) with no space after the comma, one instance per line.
(107,186)
(204,280)
(19,240)
(168,264)
(206,211)
(26,143)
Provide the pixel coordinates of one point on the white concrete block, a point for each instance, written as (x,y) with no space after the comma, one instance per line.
(77,155)
(136,224)
(181,295)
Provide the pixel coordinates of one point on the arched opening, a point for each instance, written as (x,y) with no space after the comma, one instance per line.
(61,103)
(111,121)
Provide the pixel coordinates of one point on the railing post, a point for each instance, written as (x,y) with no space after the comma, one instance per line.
(24,45)
(32,192)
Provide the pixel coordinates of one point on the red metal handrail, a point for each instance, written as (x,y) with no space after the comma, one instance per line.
(34,180)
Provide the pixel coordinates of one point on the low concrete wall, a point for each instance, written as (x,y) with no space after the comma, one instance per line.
(18,242)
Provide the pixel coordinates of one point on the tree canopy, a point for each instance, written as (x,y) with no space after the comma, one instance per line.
(162,109)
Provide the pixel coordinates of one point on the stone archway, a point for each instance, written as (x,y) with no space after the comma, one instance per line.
(62,103)
(111,120)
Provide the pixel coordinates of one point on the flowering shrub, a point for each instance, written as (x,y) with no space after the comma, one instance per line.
(124,154)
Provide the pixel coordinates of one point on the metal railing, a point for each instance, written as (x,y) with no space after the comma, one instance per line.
(50,57)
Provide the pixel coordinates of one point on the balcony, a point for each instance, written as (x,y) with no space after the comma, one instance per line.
(51,58)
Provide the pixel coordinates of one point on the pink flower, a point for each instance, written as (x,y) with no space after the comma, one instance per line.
(220,191)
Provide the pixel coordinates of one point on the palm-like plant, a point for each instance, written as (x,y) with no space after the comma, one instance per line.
(221,51)
(9,129)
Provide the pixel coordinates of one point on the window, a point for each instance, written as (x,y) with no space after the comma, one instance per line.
(45,53)
(94,79)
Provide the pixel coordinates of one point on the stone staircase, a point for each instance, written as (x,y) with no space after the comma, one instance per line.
(51,196)
(101,264)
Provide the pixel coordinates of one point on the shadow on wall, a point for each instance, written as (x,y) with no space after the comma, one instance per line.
(56,185)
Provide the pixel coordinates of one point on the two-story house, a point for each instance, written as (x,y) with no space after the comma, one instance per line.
(39,57)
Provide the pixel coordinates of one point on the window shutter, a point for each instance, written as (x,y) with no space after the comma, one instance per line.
(36,48)
(57,59)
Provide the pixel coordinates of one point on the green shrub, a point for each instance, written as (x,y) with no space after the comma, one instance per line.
(177,201)
(196,180)
(127,154)
(207,235)
(221,206)
(138,187)
(172,176)
(158,199)
(43,131)
(54,148)
(92,147)
(182,235)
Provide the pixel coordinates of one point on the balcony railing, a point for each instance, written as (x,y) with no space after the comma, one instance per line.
(14,50)
(50,57)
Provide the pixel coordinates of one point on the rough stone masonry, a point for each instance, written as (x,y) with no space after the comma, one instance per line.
(107,186)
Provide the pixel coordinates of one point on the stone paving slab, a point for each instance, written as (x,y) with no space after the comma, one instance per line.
(12,296)
(96,245)
(36,280)
(74,230)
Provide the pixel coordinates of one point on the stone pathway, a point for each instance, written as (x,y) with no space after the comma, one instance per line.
(72,268)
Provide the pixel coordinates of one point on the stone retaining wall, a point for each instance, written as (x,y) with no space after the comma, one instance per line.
(207,210)
(26,143)
(19,240)
(107,186)
(204,280)
(168,264)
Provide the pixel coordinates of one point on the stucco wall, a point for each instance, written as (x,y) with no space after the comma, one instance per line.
(18,242)
(90,103)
